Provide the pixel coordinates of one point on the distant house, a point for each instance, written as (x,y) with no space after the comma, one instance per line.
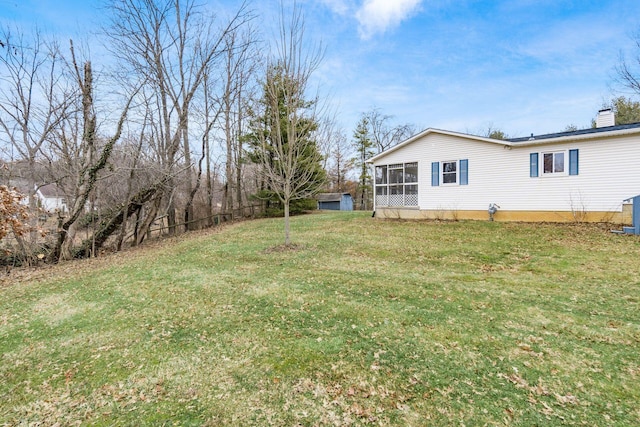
(51,199)
(584,175)
(335,201)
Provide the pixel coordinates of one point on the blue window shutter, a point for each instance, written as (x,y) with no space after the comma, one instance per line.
(533,165)
(464,172)
(435,174)
(573,162)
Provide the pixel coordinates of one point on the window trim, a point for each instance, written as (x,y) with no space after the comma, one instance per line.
(565,164)
(571,163)
(462,173)
(456,172)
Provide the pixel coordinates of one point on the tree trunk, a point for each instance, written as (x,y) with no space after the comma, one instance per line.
(287,227)
(148,221)
(228,192)
(88,175)
(209,189)
(109,225)
(90,166)
(196,187)
(239,156)
(188,210)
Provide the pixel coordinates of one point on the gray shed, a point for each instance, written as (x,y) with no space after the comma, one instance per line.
(335,201)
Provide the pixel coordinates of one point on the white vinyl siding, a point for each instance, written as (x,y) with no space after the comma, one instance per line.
(501,174)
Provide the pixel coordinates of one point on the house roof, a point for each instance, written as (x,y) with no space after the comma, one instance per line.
(436,131)
(627,128)
(50,190)
(583,134)
(330,197)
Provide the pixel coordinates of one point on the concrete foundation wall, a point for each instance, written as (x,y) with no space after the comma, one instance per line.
(623,217)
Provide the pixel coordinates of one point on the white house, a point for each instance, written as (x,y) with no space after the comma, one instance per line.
(584,175)
(51,199)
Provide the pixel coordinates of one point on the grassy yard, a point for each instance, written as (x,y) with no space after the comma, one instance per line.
(366,322)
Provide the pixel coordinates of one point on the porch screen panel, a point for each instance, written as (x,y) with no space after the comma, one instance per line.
(397,184)
(382,195)
(411,195)
(396,195)
(381,175)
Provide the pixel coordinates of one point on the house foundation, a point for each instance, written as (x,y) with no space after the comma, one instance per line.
(623,218)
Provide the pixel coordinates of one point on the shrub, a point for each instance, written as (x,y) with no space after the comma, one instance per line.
(13,213)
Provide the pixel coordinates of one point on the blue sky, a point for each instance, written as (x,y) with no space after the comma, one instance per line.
(522,66)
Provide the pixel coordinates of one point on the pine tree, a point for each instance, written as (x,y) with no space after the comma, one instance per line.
(282,142)
(363,145)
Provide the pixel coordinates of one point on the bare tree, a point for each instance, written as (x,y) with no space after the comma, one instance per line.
(288,152)
(383,133)
(93,159)
(33,101)
(239,68)
(135,156)
(628,71)
(340,162)
(174,45)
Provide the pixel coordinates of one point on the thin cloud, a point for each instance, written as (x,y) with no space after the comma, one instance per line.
(340,7)
(377,16)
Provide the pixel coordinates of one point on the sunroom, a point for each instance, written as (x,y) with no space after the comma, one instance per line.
(397,185)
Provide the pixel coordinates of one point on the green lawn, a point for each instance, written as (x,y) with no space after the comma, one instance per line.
(366,322)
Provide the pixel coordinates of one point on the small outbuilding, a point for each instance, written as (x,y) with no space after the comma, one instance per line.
(335,201)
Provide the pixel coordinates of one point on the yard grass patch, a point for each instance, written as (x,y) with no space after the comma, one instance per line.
(366,322)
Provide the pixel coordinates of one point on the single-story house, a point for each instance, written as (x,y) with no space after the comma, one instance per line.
(584,175)
(51,198)
(335,201)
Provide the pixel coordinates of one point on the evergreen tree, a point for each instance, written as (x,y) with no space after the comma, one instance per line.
(626,110)
(363,145)
(282,142)
(272,133)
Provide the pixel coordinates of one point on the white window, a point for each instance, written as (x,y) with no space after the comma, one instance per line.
(553,163)
(449,172)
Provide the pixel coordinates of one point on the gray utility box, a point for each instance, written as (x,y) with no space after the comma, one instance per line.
(635,215)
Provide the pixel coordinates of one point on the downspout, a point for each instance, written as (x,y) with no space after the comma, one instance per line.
(373,189)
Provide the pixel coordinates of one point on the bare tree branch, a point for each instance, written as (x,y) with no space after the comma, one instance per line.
(289,155)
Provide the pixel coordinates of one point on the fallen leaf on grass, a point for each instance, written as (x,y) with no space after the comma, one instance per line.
(567,399)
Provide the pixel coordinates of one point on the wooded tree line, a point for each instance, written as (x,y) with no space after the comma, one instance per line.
(135,141)
(190,114)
